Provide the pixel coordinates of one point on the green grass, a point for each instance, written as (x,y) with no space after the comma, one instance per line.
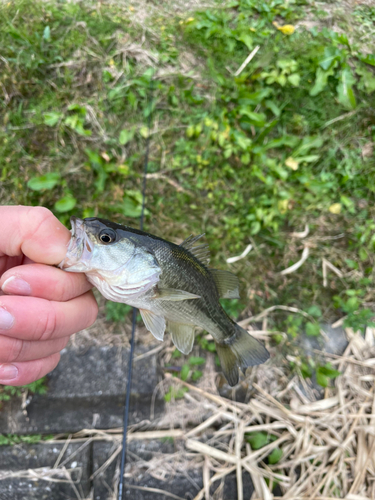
(14,439)
(247,158)
(8,391)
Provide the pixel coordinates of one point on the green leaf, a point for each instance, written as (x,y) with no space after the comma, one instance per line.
(325,373)
(81,110)
(367,80)
(196,375)
(312,329)
(47,34)
(144,132)
(246,39)
(328,371)
(294,79)
(321,79)
(190,131)
(52,118)
(281,80)
(255,227)
(308,158)
(331,55)
(175,393)
(306,370)
(185,370)
(309,142)
(259,439)
(343,39)
(321,379)
(132,204)
(126,136)
(65,204)
(194,360)
(363,255)
(314,311)
(258,119)
(368,59)
(275,456)
(351,305)
(273,107)
(243,142)
(76,123)
(47,181)
(345,91)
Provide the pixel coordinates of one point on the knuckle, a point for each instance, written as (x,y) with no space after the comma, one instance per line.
(38,216)
(13,350)
(68,287)
(40,213)
(47,325)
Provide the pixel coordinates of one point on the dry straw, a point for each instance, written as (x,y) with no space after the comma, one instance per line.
(328,445)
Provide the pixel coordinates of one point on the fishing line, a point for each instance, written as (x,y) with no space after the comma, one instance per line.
(134,318)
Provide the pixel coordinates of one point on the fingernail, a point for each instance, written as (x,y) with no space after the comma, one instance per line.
(6,319)
(8,372)
(16,286)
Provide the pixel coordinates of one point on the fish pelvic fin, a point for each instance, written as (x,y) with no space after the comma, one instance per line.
(241,351)
(182,336)
(227,284)
(154,324)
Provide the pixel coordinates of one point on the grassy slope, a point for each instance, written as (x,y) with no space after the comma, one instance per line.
(250,158)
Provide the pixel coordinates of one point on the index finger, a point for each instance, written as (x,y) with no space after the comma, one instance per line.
(34,232)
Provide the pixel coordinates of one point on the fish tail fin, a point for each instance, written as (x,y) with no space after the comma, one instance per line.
(241,351)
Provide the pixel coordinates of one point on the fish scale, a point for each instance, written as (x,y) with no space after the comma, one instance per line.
(170,285)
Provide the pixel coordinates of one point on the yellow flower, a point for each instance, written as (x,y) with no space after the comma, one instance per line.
(335,208)
(291,163)
(287,29)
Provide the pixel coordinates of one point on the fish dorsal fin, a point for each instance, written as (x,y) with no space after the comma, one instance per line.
(190,240)
(182,336)
(154,324)
(174,295)
(227,284)
(200,252)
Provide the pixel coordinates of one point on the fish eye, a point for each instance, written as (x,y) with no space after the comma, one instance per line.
(107,236)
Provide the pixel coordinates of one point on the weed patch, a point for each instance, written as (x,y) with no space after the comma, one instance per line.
(250,156)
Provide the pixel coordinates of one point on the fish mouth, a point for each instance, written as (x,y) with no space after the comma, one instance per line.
(80,248)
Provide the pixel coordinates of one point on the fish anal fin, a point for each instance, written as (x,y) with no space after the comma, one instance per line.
(174,295)
(154,324)
(182,336)
(227,283)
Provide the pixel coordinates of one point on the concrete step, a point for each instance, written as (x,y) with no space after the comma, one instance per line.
(21,471)
(25,472)
(86,391)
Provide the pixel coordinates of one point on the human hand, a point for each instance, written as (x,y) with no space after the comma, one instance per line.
(41,305)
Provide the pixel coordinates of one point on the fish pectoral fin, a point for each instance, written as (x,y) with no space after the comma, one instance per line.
(154,324)
(174,295)
(227,283)
(182,336)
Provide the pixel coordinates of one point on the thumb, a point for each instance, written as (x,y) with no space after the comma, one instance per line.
(34,232)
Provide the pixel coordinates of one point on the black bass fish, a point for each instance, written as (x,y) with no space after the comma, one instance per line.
(170,284)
